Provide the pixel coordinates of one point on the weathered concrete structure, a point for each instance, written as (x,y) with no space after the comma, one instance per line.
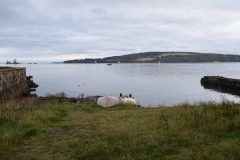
(221,84)
(13,82)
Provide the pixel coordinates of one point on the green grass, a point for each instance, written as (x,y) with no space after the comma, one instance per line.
(53,129)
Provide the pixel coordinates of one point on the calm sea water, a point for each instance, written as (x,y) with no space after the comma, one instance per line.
(151,84)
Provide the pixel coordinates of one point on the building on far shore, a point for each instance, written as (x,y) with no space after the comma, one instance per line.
(14,62)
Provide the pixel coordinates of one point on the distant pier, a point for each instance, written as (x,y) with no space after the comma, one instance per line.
(221,84)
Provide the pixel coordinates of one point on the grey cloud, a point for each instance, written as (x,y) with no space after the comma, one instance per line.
(81,28)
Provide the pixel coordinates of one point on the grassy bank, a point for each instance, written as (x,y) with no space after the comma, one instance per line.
(32,129)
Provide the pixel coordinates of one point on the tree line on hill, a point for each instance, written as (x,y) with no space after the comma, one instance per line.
(163,57)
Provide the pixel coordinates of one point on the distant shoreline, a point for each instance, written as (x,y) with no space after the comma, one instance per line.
(162,57)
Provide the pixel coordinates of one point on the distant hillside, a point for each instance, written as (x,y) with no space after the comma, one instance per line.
(163,57)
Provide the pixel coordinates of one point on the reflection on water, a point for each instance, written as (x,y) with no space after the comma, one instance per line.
(151,84)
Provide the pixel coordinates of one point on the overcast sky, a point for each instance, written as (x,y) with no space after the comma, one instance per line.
(58,30)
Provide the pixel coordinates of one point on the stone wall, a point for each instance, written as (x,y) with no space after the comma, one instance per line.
(13,82)
(221,84)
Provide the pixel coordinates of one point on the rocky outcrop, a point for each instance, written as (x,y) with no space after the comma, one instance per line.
(221,84)
(32,86)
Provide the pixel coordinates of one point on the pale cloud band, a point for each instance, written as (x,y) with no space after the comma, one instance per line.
(57,30)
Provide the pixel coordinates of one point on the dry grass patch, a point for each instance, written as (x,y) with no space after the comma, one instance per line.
(61,130)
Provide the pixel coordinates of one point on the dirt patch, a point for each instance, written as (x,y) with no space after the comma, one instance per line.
(175,54)
(145,59)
